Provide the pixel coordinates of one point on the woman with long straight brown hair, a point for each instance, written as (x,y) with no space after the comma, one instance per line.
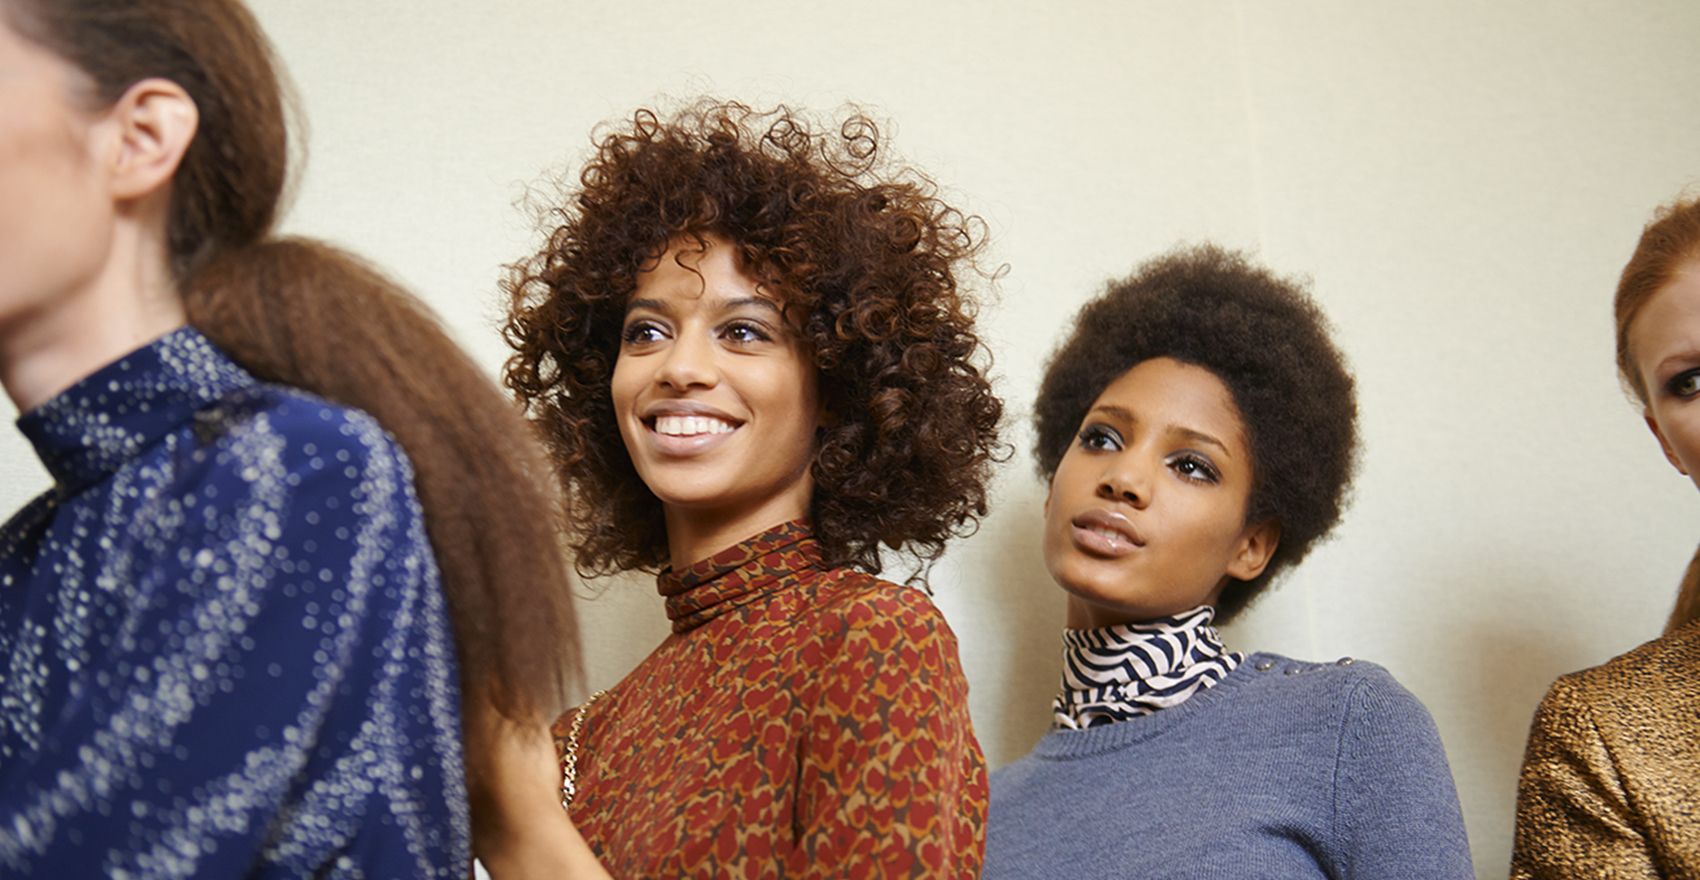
(291,524)
(1612,773)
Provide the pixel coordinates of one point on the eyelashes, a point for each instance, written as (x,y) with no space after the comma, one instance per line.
(1100,437)
(1187,464)
(745,332)
(1195,467)
(1685,384)
(737,332)
(640,332)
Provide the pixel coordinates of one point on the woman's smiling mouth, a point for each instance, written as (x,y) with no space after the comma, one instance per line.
(677,430)
(690,426)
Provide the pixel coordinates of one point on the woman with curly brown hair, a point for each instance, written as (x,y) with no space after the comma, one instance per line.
(1198,431)
(748,347)
(1611,776)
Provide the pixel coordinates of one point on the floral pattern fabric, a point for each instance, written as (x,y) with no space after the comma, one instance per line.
(799,721)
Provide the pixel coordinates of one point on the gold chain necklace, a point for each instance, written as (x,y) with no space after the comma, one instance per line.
(569,757)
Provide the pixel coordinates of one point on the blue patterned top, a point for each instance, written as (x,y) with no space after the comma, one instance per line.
(223,644)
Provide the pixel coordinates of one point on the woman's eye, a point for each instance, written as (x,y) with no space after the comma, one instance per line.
(1099,437)
(1684,384)
(1194,468)
(640,333)
(745,332)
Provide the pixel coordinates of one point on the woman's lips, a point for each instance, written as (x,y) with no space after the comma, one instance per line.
(690,425)
(1104,533)
(688,432)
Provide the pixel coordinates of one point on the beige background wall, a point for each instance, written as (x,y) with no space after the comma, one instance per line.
(1461,180)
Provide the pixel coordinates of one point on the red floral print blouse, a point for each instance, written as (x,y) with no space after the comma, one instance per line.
(800,721)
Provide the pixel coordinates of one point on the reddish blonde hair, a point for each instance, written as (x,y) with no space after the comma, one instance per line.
(1687,608)
(863,253)
(1670,243)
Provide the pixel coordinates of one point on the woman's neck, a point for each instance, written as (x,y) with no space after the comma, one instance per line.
(694,534)
(130,301)
(1081,614)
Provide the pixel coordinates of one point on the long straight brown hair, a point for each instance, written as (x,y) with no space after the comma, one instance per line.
(302,313)
(1668,245)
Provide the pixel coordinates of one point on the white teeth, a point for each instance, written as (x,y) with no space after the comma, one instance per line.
(1108,535)
(690,426)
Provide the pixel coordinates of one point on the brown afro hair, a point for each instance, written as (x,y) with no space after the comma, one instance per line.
(865,259)
(1264,338)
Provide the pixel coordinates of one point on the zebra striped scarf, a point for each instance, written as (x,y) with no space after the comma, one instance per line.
(1125,671)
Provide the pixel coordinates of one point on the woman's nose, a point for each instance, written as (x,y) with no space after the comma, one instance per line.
(687,363)
(1125,482)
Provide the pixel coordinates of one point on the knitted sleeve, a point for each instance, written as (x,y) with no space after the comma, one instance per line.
(893,783)
(1395,806)
(1573,816)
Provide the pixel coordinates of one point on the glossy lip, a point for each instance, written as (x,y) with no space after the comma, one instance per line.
(1087,525)
(682,446)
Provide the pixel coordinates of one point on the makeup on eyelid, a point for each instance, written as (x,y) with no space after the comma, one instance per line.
(1665,341)
(714,395)
(1146,512)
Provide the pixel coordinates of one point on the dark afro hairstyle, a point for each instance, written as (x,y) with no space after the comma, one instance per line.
(866,261)
(1264,338)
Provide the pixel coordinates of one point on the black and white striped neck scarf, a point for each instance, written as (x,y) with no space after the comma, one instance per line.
(1128,670)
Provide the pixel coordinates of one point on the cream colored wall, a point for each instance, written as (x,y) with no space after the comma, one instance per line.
(1461,180)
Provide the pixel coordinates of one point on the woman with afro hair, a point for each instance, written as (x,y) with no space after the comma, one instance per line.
(748,346)
(1198,431)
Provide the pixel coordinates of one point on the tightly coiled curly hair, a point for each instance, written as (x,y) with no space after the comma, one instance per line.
(866,259)
(1264,338)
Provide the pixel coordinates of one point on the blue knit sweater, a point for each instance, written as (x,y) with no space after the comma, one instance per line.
(1284,769)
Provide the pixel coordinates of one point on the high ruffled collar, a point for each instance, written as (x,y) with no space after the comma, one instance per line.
(1128,670)
(739,575)
(97,425)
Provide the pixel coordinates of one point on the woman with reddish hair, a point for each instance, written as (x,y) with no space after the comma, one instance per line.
(1612,774)
(291,524)
(748,345)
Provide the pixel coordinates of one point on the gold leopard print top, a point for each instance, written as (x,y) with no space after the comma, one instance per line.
(1611,780)
(800,721)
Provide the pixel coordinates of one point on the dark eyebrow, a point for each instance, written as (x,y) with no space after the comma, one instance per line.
(1113,410)
(1189,433)
(1201,437)
(726,305)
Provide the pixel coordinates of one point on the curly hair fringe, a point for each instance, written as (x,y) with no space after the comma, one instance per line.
(862,254)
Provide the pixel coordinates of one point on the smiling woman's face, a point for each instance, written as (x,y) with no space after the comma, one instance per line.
(1665,340)
(1146,513)
(714,392)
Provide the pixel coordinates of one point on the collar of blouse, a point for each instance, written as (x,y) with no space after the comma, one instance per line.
(1115,673)
(746,572)
(108,418)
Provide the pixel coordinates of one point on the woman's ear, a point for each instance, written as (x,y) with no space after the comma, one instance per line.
(1670,454)
(1256,547)
(150,129)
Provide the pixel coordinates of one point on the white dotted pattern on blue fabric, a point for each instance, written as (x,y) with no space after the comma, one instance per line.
(223,644)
